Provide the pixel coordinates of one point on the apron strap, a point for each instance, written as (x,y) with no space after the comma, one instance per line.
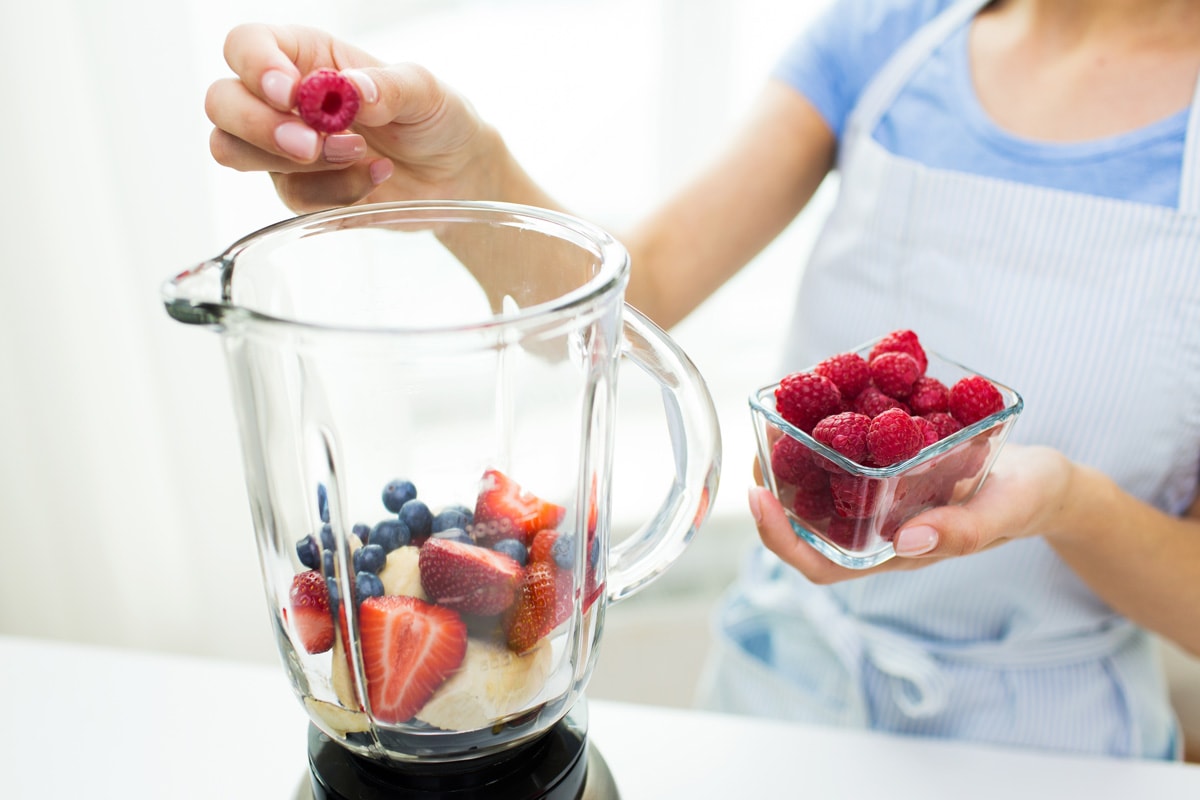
(877,97)
(1189,179)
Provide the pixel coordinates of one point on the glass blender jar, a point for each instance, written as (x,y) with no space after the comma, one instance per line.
(426,395)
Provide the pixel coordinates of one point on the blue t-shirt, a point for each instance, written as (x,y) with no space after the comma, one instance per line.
(938,121)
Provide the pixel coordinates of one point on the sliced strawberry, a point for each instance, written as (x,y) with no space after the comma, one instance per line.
(409,649)
(564,597)
(468,578)
(542,546)
(504,510)
(533,615)
(310,617)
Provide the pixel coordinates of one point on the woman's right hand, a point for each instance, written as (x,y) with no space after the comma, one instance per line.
(413,138)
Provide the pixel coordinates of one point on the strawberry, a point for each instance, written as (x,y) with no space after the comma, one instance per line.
(806,398)
(327,101)
(532,617)
(468,578)
(901,341)
(974,397)
(845,433)
(310,617)
(542,546)
(409,649)
(893,437)
(894,374)
(503,510)
(564,597)
(848,371)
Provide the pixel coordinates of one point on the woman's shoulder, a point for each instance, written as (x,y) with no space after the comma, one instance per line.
(833,59)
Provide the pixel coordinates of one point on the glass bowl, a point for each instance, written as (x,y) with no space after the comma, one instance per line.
(850,512)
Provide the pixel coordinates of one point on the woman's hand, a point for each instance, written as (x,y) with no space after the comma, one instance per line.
(412,138)
(1027,488)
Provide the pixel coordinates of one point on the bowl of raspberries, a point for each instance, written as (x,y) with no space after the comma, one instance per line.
(865,440)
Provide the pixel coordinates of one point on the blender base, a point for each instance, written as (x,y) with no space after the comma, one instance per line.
(559,765)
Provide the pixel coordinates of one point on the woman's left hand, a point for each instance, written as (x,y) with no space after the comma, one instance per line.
(1026,488)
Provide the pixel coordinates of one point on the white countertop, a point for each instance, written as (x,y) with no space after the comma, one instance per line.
(88,722)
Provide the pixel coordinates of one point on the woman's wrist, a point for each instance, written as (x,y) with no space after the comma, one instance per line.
(1085,501)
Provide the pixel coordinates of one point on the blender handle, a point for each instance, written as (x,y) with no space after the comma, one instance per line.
(645,554)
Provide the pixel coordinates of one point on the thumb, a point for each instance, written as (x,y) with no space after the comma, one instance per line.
(403,93)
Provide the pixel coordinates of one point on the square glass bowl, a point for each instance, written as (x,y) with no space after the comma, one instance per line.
(873,502)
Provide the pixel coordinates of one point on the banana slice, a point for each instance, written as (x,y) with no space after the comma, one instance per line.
(492,683)
(341,677)
(340,720)
(402,573)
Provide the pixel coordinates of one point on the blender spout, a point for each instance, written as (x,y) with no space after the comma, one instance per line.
(196,296)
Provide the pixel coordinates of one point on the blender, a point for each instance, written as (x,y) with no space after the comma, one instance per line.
(426,394)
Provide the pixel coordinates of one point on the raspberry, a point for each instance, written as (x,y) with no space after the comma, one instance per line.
(928,395)
(848,371)
(893,437)
(813,500)
(805,398)
(902,341)
(846,433)
(943,423)
(929,434)
(327,101)
(853,496)
(894,374)
(973,398)
(791,461)
(873,402)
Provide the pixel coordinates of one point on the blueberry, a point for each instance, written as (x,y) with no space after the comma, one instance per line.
(335,594)
(323,502)
(454,535)
(397,493)
(369,558)
(328,563)
(362,531)
(327,536)
(417,517)
(367,584)
(390,534)
(563,551)
(594,551)
(513,549)
(452,517)
(309,552)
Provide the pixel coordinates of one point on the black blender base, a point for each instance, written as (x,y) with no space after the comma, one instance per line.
(559,765)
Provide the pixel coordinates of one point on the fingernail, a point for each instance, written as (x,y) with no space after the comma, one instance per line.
(342,147)
(367,90)
(915,541)
(755,511)
(277,87)
(381,170)
(297,139)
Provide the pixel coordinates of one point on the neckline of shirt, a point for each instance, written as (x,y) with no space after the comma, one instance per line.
(992,135)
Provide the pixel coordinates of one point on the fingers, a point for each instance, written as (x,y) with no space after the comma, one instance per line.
(264,58)
(403,93)
(313,191)
(780,538)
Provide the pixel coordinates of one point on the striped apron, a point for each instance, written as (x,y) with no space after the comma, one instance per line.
(1088,306)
